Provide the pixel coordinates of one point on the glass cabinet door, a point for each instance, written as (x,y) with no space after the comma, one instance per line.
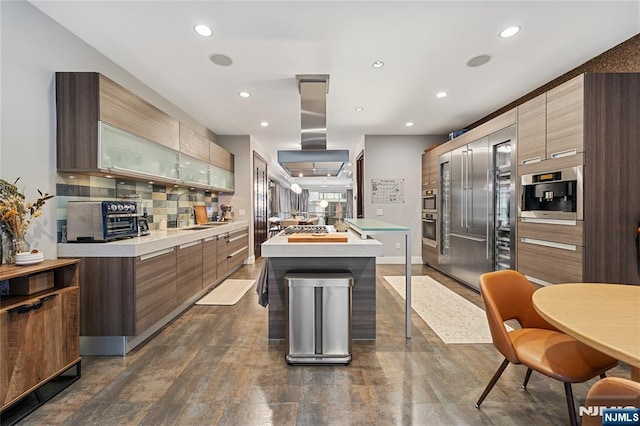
(125,153)
(193,171)
(221,179)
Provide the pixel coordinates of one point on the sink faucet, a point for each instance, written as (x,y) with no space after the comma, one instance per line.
(178,221)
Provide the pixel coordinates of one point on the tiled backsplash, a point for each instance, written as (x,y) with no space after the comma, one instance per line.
(158,201)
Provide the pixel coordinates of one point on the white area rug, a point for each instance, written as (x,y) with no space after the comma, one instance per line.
(227,293)
(453,318)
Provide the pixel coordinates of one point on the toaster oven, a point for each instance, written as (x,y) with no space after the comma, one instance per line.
(101,221)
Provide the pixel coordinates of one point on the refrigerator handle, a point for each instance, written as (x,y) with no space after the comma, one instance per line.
(491,215)
(463,189)
(468,212)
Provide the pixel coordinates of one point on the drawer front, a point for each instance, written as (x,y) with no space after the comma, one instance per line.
(237,242)
(550,264)
(237,258)
(430,255)
(567,234)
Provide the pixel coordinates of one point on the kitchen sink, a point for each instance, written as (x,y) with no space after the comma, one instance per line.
(195,228)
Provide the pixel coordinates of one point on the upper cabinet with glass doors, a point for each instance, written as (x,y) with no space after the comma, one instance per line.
(104,128)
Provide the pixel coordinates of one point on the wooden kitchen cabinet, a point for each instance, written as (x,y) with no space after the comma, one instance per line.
(565,118)
(551,125)
(83,99)
(238,248)
(194,144)
(105,129)
(532,133)
(549,261)
(222,251)
(434,167)
(189,270)
(209,261)
(123,109)
(430,255)
(430,168)
(39,333)
(425,170)
(155,284)
(591,121)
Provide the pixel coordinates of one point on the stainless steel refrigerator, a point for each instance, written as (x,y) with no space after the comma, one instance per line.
(468,202)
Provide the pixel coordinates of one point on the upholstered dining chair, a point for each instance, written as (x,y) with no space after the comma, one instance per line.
(288,222)
(610,392)
(537,345)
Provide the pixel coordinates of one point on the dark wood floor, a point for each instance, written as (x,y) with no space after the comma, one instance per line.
(215,365)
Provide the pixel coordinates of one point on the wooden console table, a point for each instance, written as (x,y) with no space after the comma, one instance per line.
(39,335)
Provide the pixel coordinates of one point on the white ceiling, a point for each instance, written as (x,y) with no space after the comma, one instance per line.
(424,44)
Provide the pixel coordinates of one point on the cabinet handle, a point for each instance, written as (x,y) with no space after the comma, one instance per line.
(156,253)
(564,153)
(22,309)
(552,244)
(530,160)
(191,244)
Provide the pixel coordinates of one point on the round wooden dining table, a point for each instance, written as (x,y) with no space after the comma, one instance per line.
(603,316)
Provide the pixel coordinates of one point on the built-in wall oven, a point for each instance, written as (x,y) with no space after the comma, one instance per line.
(429,229)
(429,200)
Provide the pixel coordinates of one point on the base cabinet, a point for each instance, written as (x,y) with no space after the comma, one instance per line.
(238,248)
(209,261)
(430,255)
(39,334)
(188,271)
(155,283)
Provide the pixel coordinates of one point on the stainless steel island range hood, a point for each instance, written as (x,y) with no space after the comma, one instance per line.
(313,159)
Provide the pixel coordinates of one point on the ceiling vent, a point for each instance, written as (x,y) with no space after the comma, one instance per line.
(313,159)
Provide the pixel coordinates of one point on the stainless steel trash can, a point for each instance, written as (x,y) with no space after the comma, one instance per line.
(318,317)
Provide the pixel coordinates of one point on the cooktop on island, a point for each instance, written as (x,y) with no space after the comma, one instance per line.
(306,229)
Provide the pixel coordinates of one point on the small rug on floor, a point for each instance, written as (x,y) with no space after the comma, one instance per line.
(453,318)
(227,293)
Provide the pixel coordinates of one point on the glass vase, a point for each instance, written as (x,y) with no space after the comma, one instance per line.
(15,246)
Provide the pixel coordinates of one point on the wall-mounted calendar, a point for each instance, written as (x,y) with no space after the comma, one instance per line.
(385,191)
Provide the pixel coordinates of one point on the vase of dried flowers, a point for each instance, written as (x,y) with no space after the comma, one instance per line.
(17,215)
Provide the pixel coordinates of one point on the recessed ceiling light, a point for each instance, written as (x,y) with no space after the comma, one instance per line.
(478,60)
(441,94)
(71,177)
(359,109)
(108,176)
(151,182)
(509,32)
(203,30)
(378,64)
(222,60)
(264,124)
(244,94)
(409,123)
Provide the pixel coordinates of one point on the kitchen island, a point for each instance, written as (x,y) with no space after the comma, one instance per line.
(131,288)
(356,255)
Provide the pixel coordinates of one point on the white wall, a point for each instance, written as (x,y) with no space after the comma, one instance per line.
(33,48)
(397,157)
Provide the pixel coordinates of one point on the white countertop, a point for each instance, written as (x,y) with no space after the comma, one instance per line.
(278,246)
(138,246)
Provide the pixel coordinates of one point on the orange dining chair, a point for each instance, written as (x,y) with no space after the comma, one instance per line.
(610,392)
(537,345)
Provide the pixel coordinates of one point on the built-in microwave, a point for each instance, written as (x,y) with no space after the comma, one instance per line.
(429,200)
(555,194)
